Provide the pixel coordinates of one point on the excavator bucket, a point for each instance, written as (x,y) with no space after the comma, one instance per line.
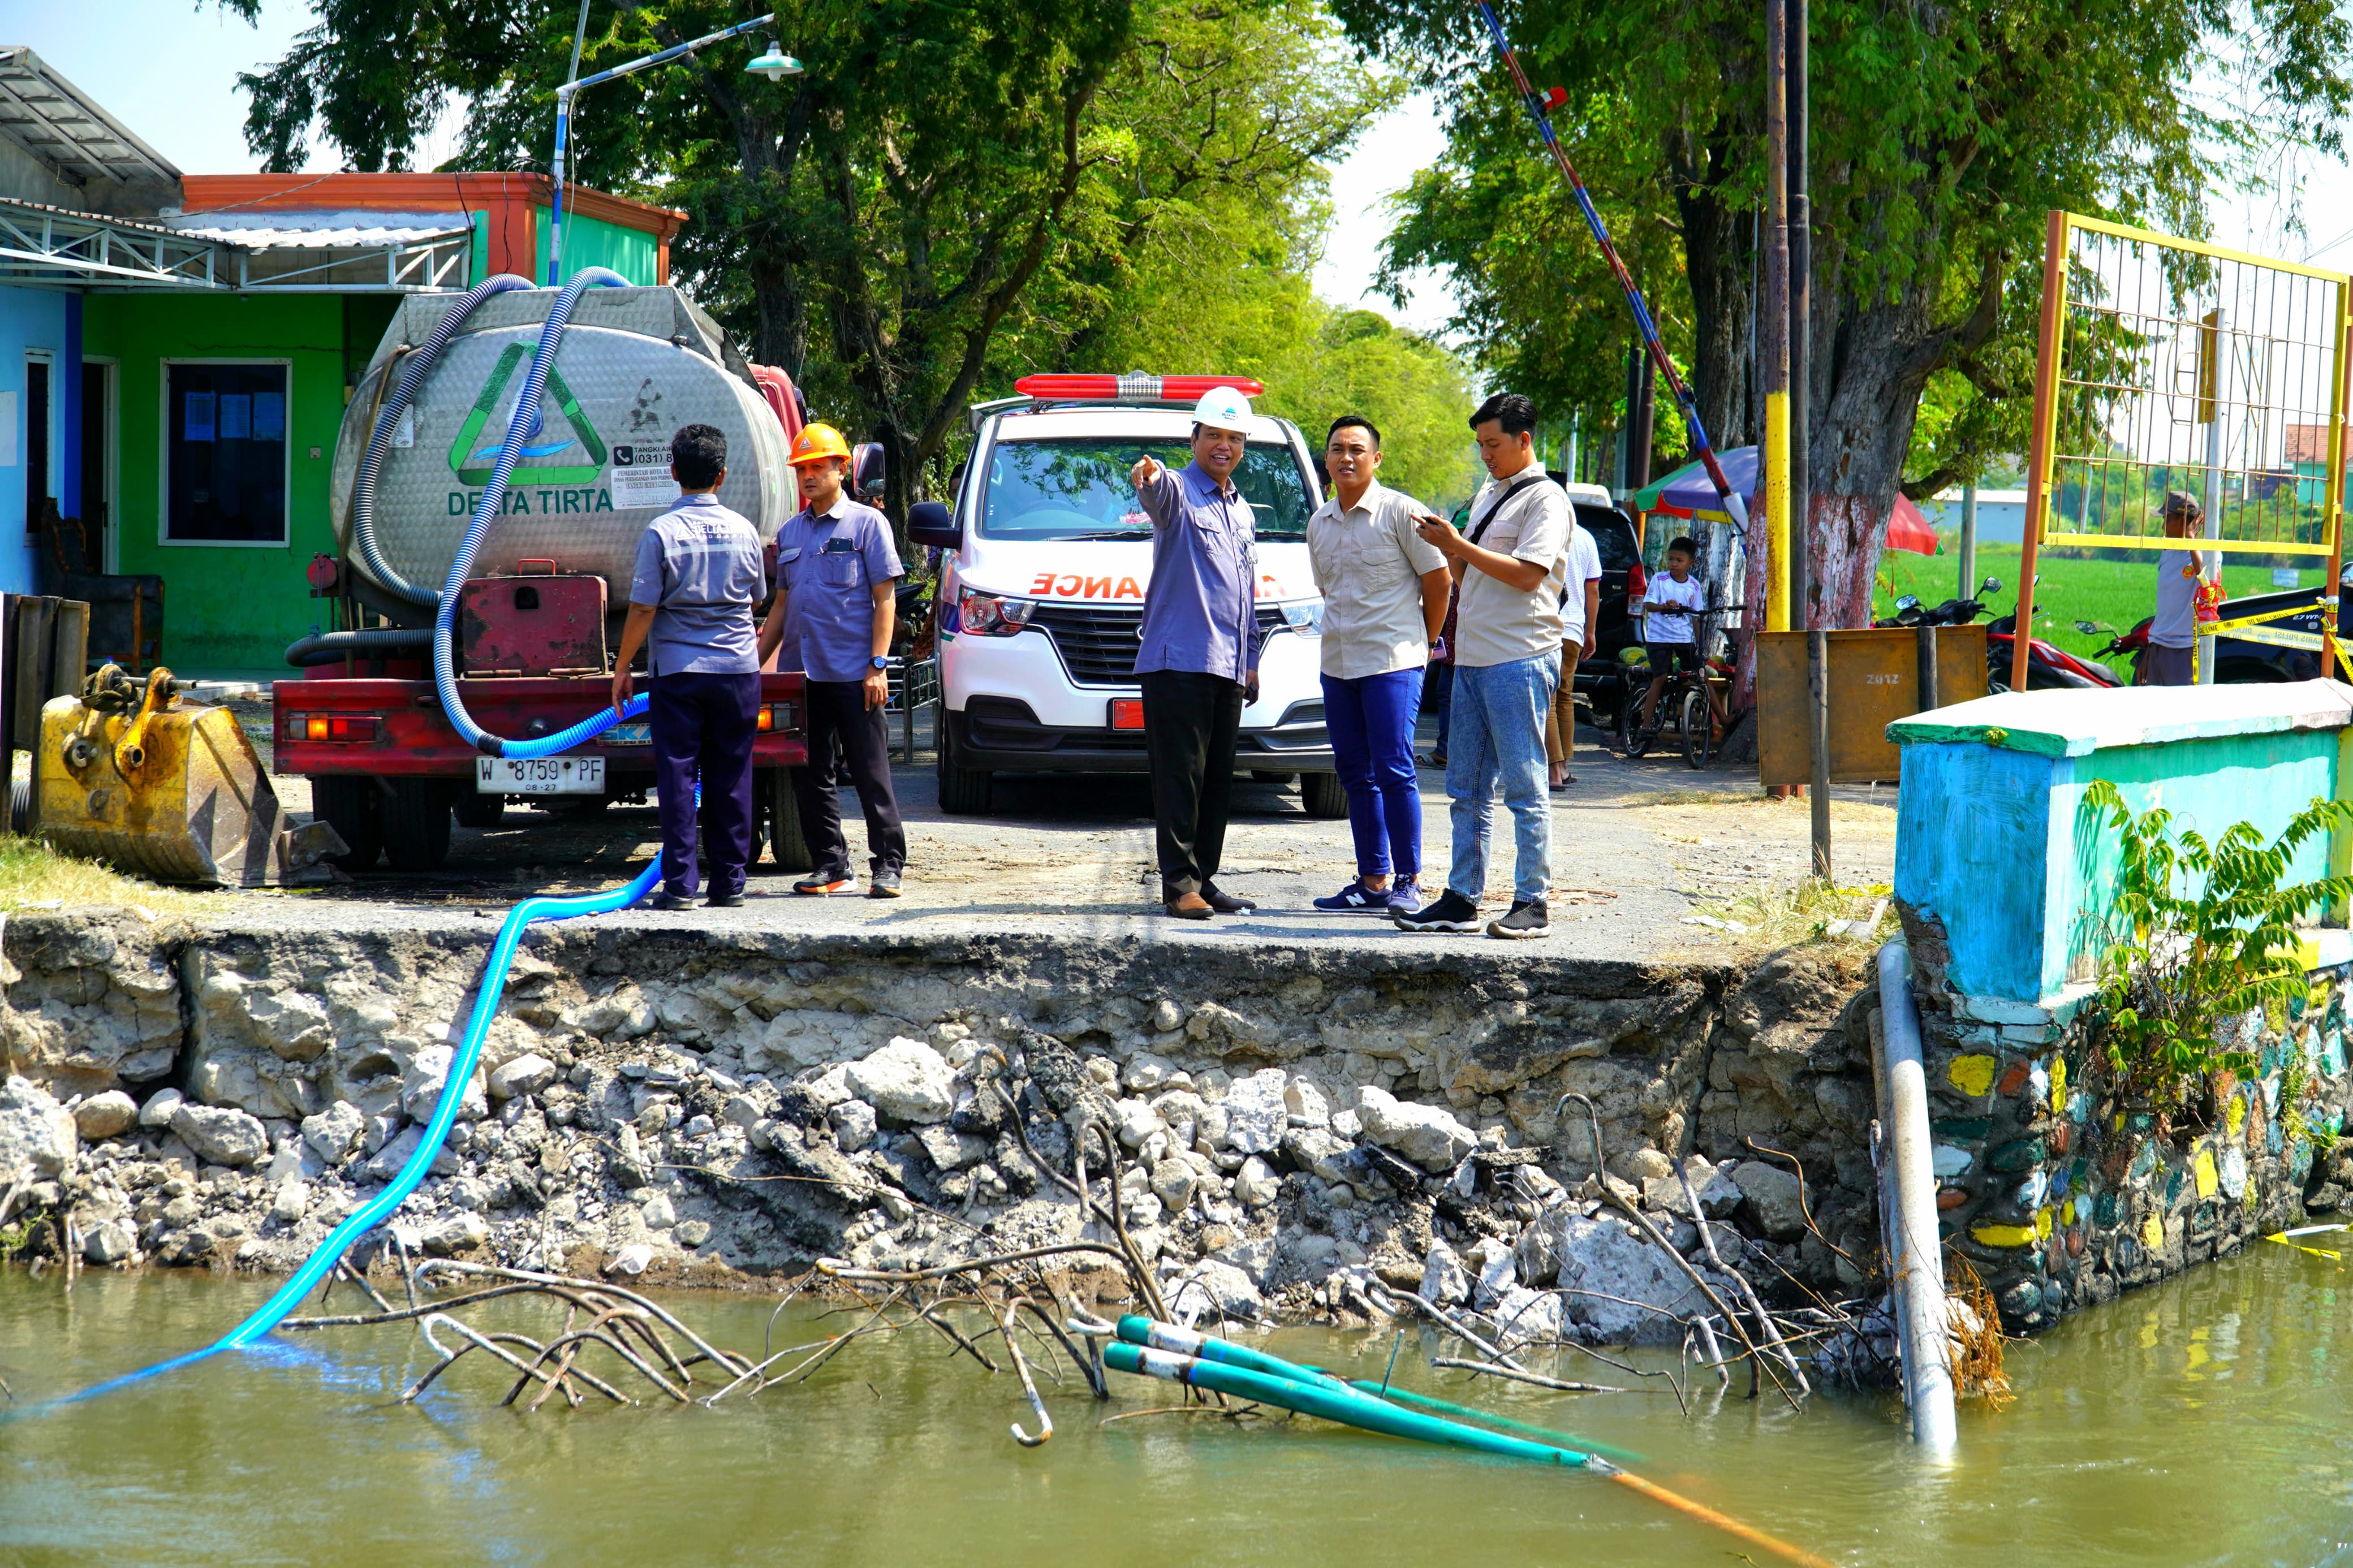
(128,775)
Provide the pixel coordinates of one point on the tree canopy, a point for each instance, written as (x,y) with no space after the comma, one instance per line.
(1941,136)
(951,194)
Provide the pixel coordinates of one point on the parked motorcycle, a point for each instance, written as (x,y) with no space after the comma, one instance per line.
(2047,665)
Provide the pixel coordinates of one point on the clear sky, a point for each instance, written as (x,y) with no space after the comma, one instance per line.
(168,70)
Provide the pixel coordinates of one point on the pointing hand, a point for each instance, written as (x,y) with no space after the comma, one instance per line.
(1146,470)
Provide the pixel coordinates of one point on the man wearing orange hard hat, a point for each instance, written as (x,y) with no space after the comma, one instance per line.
(836,564)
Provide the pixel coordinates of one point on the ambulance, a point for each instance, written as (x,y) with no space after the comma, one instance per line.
(1045,557)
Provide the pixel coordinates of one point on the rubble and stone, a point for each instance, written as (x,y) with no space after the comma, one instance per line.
(1295,1126)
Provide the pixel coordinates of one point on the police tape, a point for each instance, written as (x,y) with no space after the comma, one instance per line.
(2216,629)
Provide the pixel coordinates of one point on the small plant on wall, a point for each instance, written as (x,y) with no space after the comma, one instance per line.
(2198,935)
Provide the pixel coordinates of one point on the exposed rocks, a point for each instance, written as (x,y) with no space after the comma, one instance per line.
(906,1080)
(37,1133)
(1425,1134)
(220,1134)
(105,1115)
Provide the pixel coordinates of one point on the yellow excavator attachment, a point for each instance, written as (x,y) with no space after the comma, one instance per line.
(128,775)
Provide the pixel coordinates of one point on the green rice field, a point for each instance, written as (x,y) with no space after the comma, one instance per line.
(2113,593)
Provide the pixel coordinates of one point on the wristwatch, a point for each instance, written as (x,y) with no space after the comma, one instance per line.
(878,662)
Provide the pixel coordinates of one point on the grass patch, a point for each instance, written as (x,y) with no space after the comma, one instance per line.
(1768,919)
(31,873)
(2118,592)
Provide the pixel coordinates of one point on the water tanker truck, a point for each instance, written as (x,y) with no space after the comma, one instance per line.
(542,607)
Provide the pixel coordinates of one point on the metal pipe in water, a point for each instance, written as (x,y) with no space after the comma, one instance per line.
(1908,1198)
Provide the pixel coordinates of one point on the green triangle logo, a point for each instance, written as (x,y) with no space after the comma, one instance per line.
(465,453)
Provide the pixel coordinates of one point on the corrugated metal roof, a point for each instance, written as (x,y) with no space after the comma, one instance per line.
(129,223)
(65,129)
(375,237)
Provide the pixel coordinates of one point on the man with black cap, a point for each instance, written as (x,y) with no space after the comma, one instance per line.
(2171,658)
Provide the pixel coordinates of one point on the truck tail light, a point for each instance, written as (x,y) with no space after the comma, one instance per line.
(343,727)
(782,716)
(987,616)
(767,717)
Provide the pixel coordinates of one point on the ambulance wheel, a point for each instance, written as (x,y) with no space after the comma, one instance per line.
(476,809)
(1324,795)
(348,804)
(787,843)
(964,791)
(416,818)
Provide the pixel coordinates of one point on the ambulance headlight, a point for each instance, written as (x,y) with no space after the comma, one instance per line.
(1306,617)
(988,615)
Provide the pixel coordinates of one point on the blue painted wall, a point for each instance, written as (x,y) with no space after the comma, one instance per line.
(2001,845)
(30,318)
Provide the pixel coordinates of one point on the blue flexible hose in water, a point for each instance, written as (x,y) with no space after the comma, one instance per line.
(376,1210)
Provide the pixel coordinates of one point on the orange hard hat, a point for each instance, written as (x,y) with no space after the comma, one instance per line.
(817,442)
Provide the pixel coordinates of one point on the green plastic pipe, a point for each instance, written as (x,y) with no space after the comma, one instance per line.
(1334,1401)
(1539,1433)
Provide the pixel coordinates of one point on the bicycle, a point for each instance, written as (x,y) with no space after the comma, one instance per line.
(1689,695)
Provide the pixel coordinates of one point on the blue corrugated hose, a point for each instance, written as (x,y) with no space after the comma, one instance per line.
(376,1210)
(445,670)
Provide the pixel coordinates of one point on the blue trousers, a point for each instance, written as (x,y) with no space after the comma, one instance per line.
(704,723)
(1496,739)
(1371,720)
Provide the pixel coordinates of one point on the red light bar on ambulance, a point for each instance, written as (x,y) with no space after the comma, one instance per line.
(1133,387)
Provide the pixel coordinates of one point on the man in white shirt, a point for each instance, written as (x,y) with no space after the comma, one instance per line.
(1385,590)
(1580,610)
(1511,566)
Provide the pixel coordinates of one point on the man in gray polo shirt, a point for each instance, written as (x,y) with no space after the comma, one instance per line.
(698,575)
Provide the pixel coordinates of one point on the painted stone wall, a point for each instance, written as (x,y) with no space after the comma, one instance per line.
(2060,1195)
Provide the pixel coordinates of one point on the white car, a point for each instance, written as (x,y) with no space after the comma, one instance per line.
(1047,557)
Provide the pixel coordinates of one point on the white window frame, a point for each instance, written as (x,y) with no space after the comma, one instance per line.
(163,455)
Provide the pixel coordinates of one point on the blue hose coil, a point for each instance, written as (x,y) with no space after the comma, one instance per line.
(444,671)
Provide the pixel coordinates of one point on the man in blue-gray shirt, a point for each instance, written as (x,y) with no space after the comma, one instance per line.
(698,575)
(836,566)
(1197,661)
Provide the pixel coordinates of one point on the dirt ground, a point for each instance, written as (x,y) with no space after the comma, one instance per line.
(1638,845)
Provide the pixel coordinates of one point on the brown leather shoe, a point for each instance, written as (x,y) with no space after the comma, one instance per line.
(1190,907)
(1226,903)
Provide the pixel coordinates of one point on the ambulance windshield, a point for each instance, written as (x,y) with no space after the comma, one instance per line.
(1079,489)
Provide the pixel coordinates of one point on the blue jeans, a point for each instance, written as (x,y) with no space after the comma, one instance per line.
(1371,720)
(1496,736)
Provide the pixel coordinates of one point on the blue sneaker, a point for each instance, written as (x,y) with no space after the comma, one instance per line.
(1354,896)
(1404,897)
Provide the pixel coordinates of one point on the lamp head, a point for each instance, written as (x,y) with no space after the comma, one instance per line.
(775,64)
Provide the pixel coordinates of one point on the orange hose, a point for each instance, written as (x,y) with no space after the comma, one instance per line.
(1707,1515)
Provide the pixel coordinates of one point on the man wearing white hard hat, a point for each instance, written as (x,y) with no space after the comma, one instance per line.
(1197,656)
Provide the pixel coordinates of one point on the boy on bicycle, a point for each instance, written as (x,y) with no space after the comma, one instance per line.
(1668,607)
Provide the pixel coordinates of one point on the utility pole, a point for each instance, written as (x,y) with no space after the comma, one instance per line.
(1806,596)
(1968,589)
(1775,346)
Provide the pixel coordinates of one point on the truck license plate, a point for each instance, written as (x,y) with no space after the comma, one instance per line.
(539,775)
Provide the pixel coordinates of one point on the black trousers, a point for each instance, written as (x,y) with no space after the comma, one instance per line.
(1190,720)
(841,728)
(703,724)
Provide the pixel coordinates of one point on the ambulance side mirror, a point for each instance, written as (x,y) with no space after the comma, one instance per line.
(929,523)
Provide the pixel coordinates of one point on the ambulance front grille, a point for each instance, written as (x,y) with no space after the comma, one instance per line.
(1098,642)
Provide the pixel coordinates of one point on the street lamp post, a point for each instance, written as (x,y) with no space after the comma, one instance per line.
(774,65)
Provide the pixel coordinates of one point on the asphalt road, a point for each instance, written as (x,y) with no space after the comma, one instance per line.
(1637,847)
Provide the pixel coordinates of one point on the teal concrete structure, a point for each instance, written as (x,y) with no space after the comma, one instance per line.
(1995,838)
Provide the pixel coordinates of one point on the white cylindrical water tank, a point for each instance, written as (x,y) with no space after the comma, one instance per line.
(635,364)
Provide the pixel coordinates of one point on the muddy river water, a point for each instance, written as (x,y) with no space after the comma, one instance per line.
(2199,1422)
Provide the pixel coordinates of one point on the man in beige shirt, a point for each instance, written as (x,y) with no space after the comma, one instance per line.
(1385,591)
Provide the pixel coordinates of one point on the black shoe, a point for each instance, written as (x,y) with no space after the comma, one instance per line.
(1452,911)
(723,902)
(666,899)
(1527,919)
(1226,903)
(883,882)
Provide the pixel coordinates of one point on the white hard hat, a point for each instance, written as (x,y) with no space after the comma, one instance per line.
(1223,408)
